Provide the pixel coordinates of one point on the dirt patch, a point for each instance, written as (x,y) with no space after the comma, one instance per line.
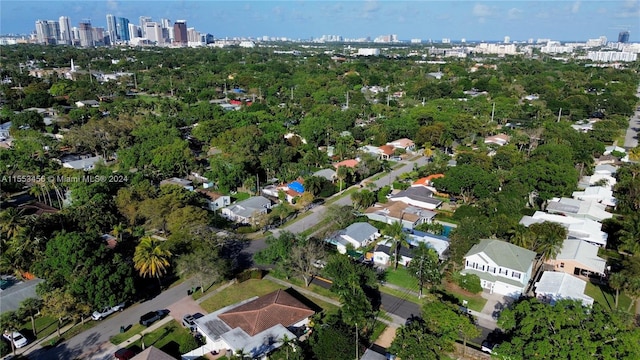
(456,289)
(386,338)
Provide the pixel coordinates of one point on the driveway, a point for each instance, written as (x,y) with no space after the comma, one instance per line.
(185,306)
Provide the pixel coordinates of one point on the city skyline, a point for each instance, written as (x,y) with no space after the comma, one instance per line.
(473,20)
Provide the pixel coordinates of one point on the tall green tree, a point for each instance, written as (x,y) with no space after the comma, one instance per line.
(10,322)
(30,307)
(424,266)
(206,267)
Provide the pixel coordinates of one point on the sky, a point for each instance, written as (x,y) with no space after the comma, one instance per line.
(303,19)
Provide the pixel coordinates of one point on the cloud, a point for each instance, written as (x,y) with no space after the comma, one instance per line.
(575,7)
(370,8)
(482,11)
(514,13)
(112,5)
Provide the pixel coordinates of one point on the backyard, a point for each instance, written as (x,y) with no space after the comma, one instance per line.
(607,297)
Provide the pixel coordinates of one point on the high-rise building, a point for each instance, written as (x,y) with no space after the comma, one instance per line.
(134,31)
(42,31)
(112,30)
(66,37)
(180,35)
(98,36)
(153,32)
(507,39)
(86,33)
(623,37)
(143,21)
(122,28)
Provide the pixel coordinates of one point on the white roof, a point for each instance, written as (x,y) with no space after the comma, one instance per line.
(559,285)
(579,208)
(439,245)
(596,193)
(585,229)
(584,253)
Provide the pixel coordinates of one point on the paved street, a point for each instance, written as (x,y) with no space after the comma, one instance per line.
(631,138)
(100,334)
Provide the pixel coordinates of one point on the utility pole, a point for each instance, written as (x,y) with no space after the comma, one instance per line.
(559,114)
(357,357)
(493,111)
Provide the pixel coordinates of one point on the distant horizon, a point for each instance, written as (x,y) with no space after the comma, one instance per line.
(489,21)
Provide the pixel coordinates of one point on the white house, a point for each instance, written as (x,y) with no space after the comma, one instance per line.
(357,235)
(86,164)
(87,103)
(257,326)
(184,183)
(503,268)
(214,199)
(598,194)
(404,143)
(246,211)
(396,211)
(419,196)
(581,209)
(500,139)
(555,286)
(383,254)
(582,229)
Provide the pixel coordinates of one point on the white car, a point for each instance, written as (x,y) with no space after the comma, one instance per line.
(106,311)
(18,340)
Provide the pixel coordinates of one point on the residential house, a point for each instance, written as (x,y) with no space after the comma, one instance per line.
(87,103)
(12,295)
(582,229)
(396,211)
(293,190)
(4,130)
(503,268)
(500,139)
(404,143)
(581,209)
(110,241)
(152,353)
(351,163)
(385,152)
(257,326)
(419,196)
(371,354)
(598,194)
(427,181)
(246,211)
(357,235)
(556,286)
(83,163)
(36,208)
(215,200)
(436,242)
(328,174)
(186,184)
(606,160)
(578,257)
(603,179)
(384,255)
(607,169)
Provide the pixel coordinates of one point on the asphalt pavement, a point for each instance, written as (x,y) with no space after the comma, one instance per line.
(631,137)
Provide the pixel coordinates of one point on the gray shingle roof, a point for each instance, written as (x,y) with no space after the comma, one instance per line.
(418,193)
(360,231)
(504,254)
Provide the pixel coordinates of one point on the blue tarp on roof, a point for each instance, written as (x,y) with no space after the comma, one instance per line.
(296,186)
(238,91)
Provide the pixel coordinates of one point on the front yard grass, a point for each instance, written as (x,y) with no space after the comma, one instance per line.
(402,278)
(401,294)
(239,292)
(171,338)
(133,330)
(607,297)
(474,301)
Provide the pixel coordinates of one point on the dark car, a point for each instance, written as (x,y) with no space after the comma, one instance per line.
(152,316)
(124,354)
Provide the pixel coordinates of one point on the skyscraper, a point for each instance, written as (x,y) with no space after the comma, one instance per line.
(623,37)
(112,30)
(122,28)
(66,37)
(153,32)
(143,21)
(86,33)
(42,31)
(180,32)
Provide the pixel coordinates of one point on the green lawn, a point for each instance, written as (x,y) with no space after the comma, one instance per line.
(172,338)
(475,303)
(401,294)
(401,277)
(607,297)
(239,292)
(240,196)
(314,288)
(44,325)
(133,330)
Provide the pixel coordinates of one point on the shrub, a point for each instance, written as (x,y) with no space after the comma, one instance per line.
(469,282)
(400,185)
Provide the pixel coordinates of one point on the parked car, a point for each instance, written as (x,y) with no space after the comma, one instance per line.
(488,346)
(189,321)
(106,311)
(124,354)
(152,316)
(18,339)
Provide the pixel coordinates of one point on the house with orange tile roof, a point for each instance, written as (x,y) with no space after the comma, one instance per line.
(500,139)
(351,163)
(427,181)
(257,325)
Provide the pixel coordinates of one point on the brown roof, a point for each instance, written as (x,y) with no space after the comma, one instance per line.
(394,209)
(37,208)
(153,353)
(263,313)
(212,195)
(387,149)
(352,163)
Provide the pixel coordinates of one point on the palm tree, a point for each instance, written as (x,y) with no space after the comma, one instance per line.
(617,281)
(630,234)
(522,236)
(396,232)
(342,173)
(151,259)
(549,239)
(30,307)
(11,223)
